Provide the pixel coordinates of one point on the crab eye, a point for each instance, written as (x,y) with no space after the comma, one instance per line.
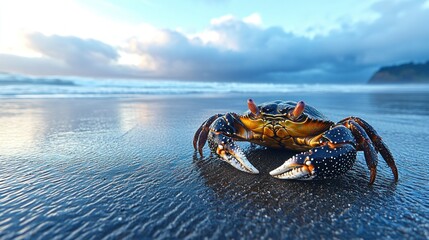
(308,162)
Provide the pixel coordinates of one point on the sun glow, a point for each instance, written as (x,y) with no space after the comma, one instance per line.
(19,130)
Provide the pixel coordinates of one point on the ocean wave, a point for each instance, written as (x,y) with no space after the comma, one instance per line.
(23,86)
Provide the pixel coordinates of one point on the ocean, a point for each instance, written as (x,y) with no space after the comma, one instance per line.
(55,87)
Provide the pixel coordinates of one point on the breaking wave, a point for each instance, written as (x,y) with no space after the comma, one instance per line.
(23,86)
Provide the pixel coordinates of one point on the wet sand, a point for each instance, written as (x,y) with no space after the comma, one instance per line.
(125,168)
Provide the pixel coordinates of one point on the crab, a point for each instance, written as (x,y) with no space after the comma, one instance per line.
(326,149)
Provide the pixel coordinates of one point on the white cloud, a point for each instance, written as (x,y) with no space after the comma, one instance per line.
(238,49)
(226,31)
(254,18)
(207,37)
(19,18)
(222,19)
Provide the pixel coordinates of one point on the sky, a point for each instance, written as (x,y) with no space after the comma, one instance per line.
(212,40)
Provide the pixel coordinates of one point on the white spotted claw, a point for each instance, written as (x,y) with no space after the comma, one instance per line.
(237,159)
(291,169)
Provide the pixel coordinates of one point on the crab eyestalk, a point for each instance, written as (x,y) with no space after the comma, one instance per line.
(298,110)
(253,108)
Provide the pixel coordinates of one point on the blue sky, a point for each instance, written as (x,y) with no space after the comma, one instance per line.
(209,40)
(195,15)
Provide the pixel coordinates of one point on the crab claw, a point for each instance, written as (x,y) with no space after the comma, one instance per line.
(323,162)
(237,159)
(294,168)
(230,152)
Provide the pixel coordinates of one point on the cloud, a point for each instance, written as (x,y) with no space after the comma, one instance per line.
(74,51)
(231,48)
(30,65)
(68,55)
(254,18)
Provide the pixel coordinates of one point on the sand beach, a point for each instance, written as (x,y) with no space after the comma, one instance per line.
(124,167)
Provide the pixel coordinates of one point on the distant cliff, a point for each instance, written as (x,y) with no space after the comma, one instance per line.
(404,73)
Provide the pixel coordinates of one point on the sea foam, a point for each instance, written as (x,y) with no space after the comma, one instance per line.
(40,87)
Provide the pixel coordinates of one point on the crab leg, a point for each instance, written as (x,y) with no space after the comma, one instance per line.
(366,144)
(379,144)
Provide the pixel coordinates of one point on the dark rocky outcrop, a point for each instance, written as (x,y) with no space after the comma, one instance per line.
(404,73)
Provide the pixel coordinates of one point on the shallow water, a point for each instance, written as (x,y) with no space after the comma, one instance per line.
(125,167)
